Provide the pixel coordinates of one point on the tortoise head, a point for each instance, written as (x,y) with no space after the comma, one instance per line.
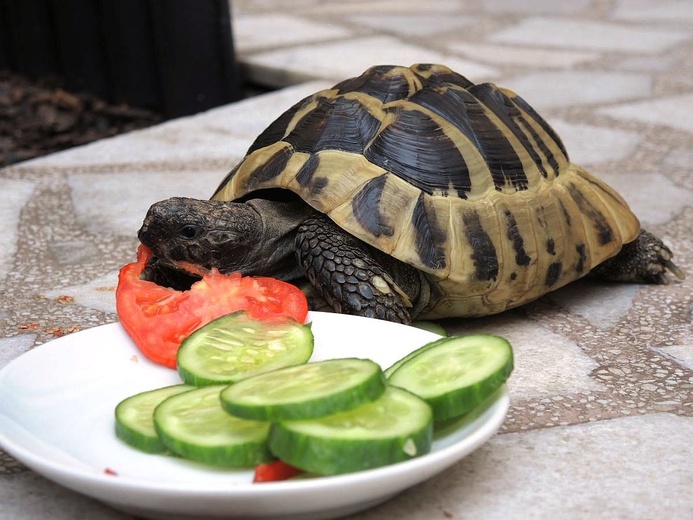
(184,233)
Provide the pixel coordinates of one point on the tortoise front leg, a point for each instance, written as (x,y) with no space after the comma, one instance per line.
(645,259)
(352,277)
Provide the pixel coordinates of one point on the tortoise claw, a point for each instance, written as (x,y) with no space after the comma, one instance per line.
(662,261)
(646,259)
(673,268)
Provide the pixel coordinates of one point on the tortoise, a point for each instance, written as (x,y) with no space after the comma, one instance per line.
(409,193)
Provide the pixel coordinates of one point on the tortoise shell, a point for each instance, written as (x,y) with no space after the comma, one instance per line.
(464,181)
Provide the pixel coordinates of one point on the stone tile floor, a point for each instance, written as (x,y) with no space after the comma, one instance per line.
(601,420)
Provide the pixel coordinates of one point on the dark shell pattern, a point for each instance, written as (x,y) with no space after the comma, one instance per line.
(463,181)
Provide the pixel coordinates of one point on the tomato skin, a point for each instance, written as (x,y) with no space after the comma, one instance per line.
(275,471)
(159,318)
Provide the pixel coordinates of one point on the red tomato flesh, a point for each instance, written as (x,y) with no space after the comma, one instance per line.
(275,471)
(158,318)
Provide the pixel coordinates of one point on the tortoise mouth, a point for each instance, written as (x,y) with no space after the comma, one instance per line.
(167,275)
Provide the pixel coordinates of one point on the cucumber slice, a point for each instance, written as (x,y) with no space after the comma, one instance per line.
(396,427)
(134,423)
(430,326)
(305,391)
(391,370)
(237,346)
(454,375)
(194,426)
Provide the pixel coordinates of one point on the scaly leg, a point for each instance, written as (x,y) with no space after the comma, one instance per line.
(353,277)
(645,259)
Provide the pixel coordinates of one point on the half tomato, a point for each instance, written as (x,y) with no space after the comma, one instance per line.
(158,318)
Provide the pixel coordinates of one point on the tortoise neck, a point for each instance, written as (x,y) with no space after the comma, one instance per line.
(276,252)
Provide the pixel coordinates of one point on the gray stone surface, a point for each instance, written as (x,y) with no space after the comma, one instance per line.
(590,144)
(535,7)
(638,189)
(14,346)
(275,30)
(602,305)
(583,34)
(504,54)
(584,471)
(675,111)
(556,89)
(112,204)
(15,195)
(337,60)
(414,25)
(678,11)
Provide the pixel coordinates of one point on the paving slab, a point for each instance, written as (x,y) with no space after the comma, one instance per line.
(638,187)
(16,193)
(332,7)
(113,204)
(527,7)
(589,144)
(680,11)
(584,34)
(413,25)
(13,347)
(519,55)
(681,353)
(601,305)
(555,89)
(674,111)
(339,60)
(273,30)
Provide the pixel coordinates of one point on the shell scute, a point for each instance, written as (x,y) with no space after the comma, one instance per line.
(385,83)
(366,205)
(340,123)
(431,164)
(472,119)
(431,237)
(434,74)
(331,178)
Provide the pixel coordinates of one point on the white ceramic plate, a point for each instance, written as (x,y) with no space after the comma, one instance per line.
(56,416)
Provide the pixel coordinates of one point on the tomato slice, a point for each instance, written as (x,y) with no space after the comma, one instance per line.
(159,318)
(275,471)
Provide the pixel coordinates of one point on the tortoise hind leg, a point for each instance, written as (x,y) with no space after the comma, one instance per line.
(351,276)
(645,259)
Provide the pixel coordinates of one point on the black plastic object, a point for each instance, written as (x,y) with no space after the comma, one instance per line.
(195,56)
(29,38)
(172,56)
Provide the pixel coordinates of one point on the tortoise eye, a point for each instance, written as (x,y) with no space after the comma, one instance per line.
(189,232)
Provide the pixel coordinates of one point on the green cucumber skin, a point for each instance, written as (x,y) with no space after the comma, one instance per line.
(430,326)
(300,354)
(462,400)
(148,442)
(337,454)
(309,408)
(247,454)
(221,457)
(319,456)
(139,441)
